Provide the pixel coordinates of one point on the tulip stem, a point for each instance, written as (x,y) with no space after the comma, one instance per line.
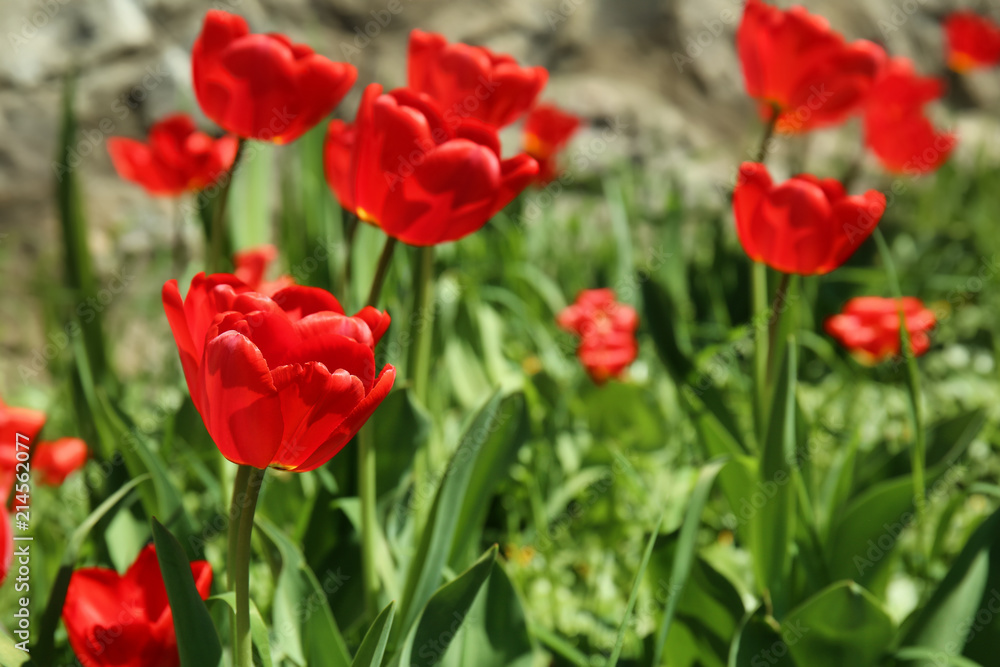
(421,324)
(369,517)
(242,644)
(918,452)
(758,287)
(384,260)
(219,242)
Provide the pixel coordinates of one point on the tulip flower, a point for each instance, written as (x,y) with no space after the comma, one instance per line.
(896,129)
(283,381)
(607,333)
(796,65)
(177,158)
(472,81)
(54,461)
(15,422)
(547,130)
(263,87)
(973,41)
(805,225)
(125,621)
(251,267)
(869,327)
(401,167)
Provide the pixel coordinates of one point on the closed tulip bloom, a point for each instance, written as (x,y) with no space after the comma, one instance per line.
(472,81)
(401,167)
(15,422)
(177,158)
(547,130)
(54,461)
(869,327)
(263,87)
(125,621)
(252,265)
(896,128)
(283,381)
(805,225)
(607,333)
(793,61)
(973,41)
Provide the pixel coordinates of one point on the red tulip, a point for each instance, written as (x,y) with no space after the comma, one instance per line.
(251,266)
(896,129)
(607,333)
(54,461)
(973,41)
(472,81)
(869,327)
(806,225)
(125,621)
(263,86)
(546,132)
(283,381)
(424,182)
(794,61)
(13,422)
(178,157)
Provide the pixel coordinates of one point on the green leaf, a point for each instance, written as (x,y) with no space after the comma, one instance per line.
(758,643)
(258,629)
(841,625)
(401,429)
(686,549)
(301,608)
(931,657)
(658,314)
(197,640)
(444,615)
(491,464)
(773,524)
(10,655)
(373,645)
(43,649)
(944,622)
(428,563)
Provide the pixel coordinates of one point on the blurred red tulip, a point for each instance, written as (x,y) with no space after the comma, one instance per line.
(607,333)
(14,421)
(263,87)
(125,621)
(54,461)
(896,129)
(547,130)
(973,41)
(424,182)
(178,158)
(806,225)
(251,267)
(794,61)
(869,327)
(472,81)
(283,381)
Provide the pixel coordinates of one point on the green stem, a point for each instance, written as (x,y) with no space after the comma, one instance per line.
(242,644)
(384,260)
(235,510)
(774,325)
(218,241)
(422,324)
(918,454)
(369,518)
(758,292)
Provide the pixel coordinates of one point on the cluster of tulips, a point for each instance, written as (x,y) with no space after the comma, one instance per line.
(284,378)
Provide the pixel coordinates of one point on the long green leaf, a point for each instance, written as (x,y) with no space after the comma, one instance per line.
(373,645)
(197,640)
(258,629)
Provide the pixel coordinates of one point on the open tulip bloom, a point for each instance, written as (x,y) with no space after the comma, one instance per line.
(805,225)
(547,130)
(263,87)
(973,41)
(283,381)
(472,81)
(177,157)
(795,64)
(869,327)
(126,621)
(402,167)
